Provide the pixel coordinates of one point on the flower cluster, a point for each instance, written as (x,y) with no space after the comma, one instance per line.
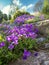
(26,54)
(26,30)
(2,44)
(41,17)
(18,38)
(23,18)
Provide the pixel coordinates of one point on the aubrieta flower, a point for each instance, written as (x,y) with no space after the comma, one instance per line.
(36,54)
(15,42)
(8,38)
(2,44)
(42,17)
(28,30)
(11,46)
(26,54)
(23,18)
(17,32)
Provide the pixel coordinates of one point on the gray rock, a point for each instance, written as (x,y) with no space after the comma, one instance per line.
(47,45)
(42,56)
(39,40)
(46,62)
(44,29)
(40,23)
(36,62)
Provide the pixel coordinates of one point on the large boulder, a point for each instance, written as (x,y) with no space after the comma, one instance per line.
(43,27)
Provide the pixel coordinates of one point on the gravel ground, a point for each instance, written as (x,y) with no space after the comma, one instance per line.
(41,59)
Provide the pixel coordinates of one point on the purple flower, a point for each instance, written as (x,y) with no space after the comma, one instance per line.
(32,35)
(36,54)
(23,18)
(42,17)
(26,54)
(26,31)
(11,46)
(36,30)
(15,42)
(8,38)
(2,44)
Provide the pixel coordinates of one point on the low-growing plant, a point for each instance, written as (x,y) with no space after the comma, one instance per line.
(7,55)
(17,42)
(46,16)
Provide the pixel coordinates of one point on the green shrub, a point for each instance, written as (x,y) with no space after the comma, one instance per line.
(45,9)
(46,16)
